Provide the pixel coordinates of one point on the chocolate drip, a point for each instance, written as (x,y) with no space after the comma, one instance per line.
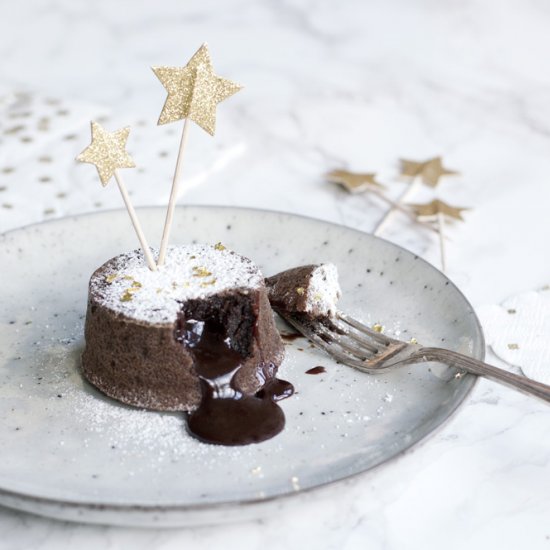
(316,370)
(226,416)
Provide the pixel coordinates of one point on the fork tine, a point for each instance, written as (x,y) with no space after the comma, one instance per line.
(330,349)
(378,336)
(335,338)
(372,345)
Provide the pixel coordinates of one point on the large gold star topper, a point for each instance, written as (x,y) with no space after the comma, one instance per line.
(107,152)
(429,171)
(437,211)
(194,91)
(354,182)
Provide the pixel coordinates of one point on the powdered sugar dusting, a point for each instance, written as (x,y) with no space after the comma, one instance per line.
(323,291)
(126,285)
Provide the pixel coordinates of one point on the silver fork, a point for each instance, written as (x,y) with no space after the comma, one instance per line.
(353,343)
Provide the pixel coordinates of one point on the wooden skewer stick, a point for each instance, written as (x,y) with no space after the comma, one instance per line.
(440,225)
(173,196)
(135,222)
(397,204)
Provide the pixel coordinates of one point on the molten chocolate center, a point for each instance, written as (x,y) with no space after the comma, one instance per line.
(226,416)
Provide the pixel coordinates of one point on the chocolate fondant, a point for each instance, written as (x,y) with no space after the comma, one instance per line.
(136,350)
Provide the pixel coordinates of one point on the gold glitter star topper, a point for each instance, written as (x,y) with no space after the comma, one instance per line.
(356,183)
(194,92)
(428,172)
(107,153)
(437,210)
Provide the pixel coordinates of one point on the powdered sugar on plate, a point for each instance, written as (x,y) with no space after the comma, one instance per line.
(127,286)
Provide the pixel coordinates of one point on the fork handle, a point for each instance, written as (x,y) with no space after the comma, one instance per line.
(474,366)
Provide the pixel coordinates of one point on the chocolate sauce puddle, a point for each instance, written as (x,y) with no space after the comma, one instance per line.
(225,416)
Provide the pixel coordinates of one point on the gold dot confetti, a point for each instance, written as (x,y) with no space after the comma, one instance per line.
(513,346)
(429,171)
(194,91)
(107,152)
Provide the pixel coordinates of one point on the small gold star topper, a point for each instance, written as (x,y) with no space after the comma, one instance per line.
(437,210)
(353,182)
(107,152)
(430,171)
(194,91)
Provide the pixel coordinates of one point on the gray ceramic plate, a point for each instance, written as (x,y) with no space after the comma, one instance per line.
(69,452)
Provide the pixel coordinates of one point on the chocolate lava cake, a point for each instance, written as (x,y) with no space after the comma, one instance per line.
(311,291)
(201,324)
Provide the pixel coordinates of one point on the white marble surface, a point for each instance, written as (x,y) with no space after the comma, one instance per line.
(351,83)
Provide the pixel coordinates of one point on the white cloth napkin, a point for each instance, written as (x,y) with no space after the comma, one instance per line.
(518,332)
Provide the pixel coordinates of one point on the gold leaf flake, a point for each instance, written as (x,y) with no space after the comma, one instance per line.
(208,283)
(111,278)
(377,327)
(126,297)
(513,346)
(201,272)
(219,246)
(300,291)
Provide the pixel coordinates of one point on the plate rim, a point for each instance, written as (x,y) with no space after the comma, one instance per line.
(250,502)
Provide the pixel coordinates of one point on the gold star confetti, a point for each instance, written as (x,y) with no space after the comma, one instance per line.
(354,182)
(435,207)
(430,171)
(194,91)
(437,210)
(107,152)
